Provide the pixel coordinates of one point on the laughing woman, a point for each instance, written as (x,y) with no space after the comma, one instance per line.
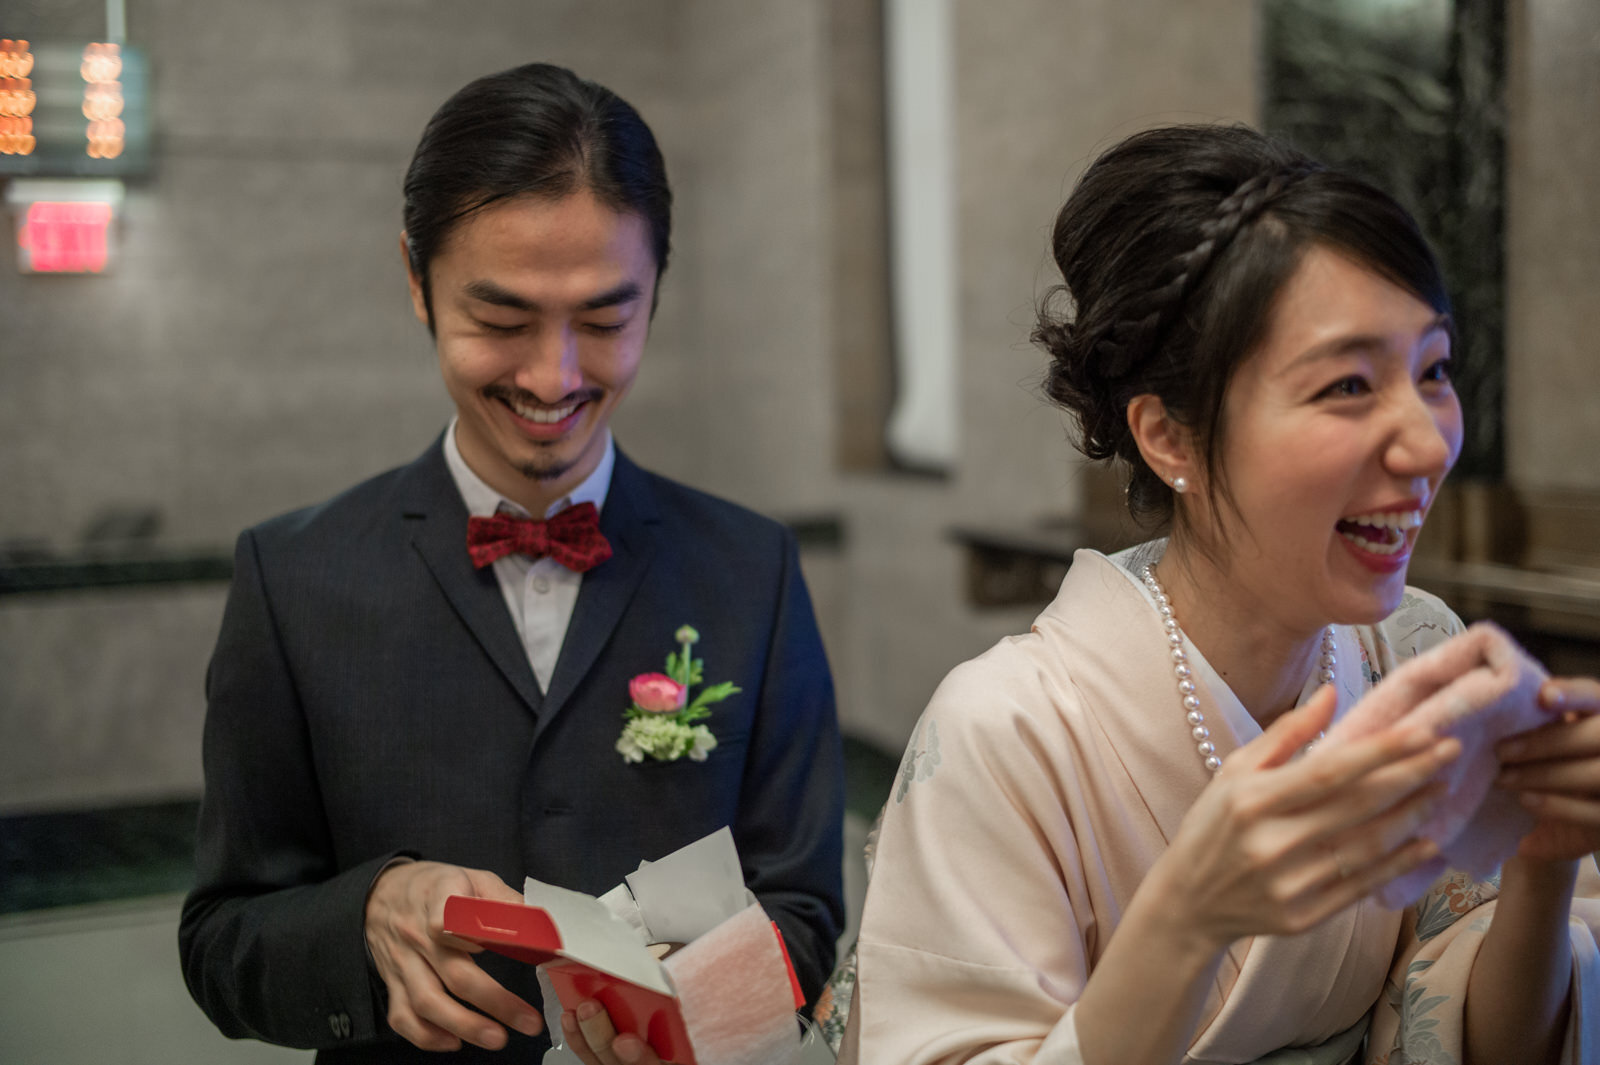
(1109,842)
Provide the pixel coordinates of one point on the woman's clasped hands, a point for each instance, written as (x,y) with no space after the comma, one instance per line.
(1279,842)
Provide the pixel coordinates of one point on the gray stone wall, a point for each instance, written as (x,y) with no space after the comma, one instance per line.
(255,350)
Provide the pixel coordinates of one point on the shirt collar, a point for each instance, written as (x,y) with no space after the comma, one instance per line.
(483,501)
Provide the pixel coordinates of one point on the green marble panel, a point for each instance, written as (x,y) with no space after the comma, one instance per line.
(1411,93)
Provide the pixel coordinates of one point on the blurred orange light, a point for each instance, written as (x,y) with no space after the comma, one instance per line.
(102,99)
(101,63)
(16,98)
(16,61)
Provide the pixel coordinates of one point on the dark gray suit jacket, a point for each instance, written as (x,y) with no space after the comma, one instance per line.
(369,697)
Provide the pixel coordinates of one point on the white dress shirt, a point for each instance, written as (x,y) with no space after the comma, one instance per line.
(540,595)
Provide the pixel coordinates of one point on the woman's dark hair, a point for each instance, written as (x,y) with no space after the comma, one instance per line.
(1173,248)
(535,130)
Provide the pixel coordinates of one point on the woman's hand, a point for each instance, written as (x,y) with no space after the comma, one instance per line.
(589,1033)
(423,967)
(1277,843)
(1555,770)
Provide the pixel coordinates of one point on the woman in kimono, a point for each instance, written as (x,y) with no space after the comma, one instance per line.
(1114,839)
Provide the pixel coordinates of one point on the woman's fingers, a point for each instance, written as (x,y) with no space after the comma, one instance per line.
(1581,694)
(1575,736)
(1578,777)
(1381,790)
(1287,736)
(1381,767)
(1579,809)
(1373,842)
(1348,890)
(1328,856)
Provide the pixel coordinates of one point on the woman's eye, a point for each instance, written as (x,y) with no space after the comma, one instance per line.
(1438,371)
(1347,386)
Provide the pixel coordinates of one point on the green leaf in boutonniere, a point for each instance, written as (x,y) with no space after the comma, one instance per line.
(661,719)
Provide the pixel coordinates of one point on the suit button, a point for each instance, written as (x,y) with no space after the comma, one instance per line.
(339,1023)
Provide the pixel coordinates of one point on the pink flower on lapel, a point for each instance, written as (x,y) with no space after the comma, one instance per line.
(661,722)
(658,693)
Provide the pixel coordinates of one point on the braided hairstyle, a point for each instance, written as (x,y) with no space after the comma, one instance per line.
(1173,248)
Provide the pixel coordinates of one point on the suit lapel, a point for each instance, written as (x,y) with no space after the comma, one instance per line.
(436,519)
(627,520)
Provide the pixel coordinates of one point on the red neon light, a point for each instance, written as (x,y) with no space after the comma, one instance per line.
(66,238)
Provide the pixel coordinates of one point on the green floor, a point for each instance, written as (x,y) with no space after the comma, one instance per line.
(67,859)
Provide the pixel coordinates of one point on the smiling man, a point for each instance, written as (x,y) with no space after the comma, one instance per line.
(420,685)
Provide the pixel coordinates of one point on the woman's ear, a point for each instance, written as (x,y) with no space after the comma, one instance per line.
(1165,445)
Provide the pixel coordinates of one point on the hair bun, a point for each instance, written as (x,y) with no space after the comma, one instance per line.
(1077,380)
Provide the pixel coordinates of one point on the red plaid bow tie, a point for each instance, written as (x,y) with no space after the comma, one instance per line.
(573,538)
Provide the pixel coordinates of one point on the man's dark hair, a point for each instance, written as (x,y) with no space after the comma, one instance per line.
(1173,249)
(535,130)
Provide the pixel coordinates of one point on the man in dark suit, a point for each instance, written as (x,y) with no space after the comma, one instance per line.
(393,718)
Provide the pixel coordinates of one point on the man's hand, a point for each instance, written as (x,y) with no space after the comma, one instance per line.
(423,968)
(589,1033)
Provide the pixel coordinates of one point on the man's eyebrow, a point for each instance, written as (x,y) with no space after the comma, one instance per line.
(485,291)
(489,292)
(626,292)
(1359,342)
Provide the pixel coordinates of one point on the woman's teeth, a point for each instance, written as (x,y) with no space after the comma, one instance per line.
(1382,534)
(543,415)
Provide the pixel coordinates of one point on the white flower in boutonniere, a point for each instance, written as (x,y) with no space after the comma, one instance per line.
(662,719)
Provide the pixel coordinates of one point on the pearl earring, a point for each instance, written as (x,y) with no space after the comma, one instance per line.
(1180,485)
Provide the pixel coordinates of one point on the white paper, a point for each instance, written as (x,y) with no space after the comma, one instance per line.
(590,933)
(619,900)
(691,890)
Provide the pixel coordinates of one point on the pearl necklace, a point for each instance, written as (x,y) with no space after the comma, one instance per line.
(1185,674)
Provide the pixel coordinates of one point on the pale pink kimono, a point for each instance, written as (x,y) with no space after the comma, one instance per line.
(1046,776)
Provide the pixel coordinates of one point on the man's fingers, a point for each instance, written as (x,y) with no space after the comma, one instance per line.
(595,1025)
(413,1029)
(464,980)
(575,1040)
(436,989)
(485,885)
(435,1007)
(631,1050)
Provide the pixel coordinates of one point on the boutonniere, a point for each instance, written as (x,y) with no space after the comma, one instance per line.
(662,719)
